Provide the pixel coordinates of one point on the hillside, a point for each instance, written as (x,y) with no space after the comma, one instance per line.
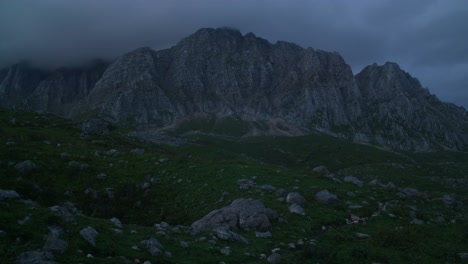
(142,201)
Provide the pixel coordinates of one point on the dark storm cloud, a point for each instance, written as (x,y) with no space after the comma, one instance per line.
(428,38)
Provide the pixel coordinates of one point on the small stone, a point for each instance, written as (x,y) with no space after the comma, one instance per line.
(101,176)
(116,222)
(25,220)
(268,187)
(89,234)
(184,244)
(55,245)
(263,234)
(326,197)
(245,184)
(89,256)
(292,245)
(225,251)
(137,151)
(322,170)
(296,209)
(274,258)
(353,180)
(295,198)
(362,235)
(147,262)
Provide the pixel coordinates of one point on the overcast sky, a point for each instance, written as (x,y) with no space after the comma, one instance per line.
(428,38)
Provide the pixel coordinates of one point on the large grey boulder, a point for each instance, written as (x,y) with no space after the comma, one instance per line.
(245,214)
(89,234)
(8,195)
(326,197)
(295,198)
(26,167)
(36,257)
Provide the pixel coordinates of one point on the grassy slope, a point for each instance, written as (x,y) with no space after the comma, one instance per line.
(191,182)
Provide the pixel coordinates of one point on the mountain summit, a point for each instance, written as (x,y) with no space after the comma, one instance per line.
(218,73)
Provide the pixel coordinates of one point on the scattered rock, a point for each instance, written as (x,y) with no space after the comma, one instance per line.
(296,209)
(184,244)
(162,160)
(137,151)
(268,187)
(246,214)
(274,258)
(62,212)
(153,246)
(411,192)
(55,244)
(225,234)
(25,220)
(295,198)
(38,256)
(281,192)
(263,234)
(417,221)
(322,170)
(116,222)
(245,184)
(326,197)
(226,251)
(463,256)
(89,234)
(353,180)
(26,167)
(101,176)
(8,195)
(292,245)
(362,235)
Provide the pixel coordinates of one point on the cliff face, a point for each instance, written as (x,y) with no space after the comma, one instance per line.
(222,72)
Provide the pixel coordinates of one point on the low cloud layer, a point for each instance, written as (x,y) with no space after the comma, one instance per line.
(428,38)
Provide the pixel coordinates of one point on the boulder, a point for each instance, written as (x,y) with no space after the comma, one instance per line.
(55,244)
(326,197)
(245,214)
(245,184)
(322,170)
(8,195)
(274,258)
(26,167)
(353,180)
(295,198)
(296,209)
(89,234)
(153,246)
(224,233)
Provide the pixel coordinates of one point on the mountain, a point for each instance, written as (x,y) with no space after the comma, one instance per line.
(219,73)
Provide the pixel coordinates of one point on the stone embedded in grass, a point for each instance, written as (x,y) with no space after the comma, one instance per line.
(263,234)
(38,256)
(245,184)
(137,151)
(8,195)
(226,251)
(26,167)
(281,192)
(184,244)
(89,234)
(362,235)
(274,258)
(411,192)
(353,180)
(62,212)
(153,246)
(296,209)
(326,197)
(295,198)
(322,170)
(55,244)
(101,176)
(268,187)
(225,234)
(116,222)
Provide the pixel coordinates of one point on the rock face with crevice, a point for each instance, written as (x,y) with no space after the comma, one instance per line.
(267,88)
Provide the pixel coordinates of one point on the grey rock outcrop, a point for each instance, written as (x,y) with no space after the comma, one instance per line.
(245,214)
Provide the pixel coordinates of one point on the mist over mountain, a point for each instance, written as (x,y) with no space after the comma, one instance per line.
(219,73)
